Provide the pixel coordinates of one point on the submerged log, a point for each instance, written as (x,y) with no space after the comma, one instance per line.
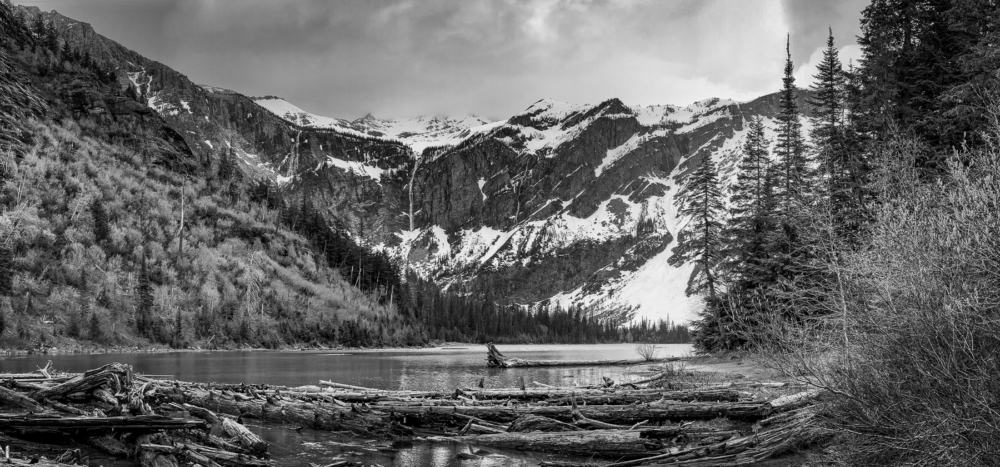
(495,359)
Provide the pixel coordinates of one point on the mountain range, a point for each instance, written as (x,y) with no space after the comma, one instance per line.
(561,204)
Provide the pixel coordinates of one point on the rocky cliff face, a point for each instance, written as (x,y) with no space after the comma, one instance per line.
(567,204)
(562,204)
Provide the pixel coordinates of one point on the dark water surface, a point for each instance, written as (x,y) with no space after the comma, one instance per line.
(417,369)
(444,368)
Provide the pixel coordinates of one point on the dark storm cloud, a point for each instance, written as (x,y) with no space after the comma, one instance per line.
(490,57)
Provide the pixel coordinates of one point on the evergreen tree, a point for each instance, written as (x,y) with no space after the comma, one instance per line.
(751,214)
(6,271)
(701,242)
(842,162)
(828,109)
(794,173)
(144,308)
(102,226)
(94,329)
(5,310)
(926,71)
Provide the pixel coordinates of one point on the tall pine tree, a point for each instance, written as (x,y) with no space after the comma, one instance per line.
(794,173)
(751,213)
(828,111)
(843,166)
(144,308)
(701,242)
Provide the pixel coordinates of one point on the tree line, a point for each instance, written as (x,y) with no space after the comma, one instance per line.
(864,263)
(927,74)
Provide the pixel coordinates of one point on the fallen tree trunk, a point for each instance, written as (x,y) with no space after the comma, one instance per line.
(617,414)
(307,414)
(615,444)
(216,455)
(17,399)
(495,359)
(245,438)
(138,423)
(606,396)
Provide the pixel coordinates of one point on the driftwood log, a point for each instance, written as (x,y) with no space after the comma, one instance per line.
(618,414)
(615,444)
(91,424)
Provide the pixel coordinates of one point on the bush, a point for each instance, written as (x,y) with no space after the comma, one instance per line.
(909,336)
(646,351)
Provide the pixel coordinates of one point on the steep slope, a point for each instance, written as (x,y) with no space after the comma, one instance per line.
(573,204)
(113,231)
(341,169)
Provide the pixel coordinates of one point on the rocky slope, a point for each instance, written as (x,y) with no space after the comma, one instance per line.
(563,204)
(573,204)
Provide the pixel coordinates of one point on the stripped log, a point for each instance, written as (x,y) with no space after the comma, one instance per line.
(154,457)
(63,407)
(138,423)
(617,396)
(528,423)
(794,429)
(245,438)
(202,413)
(615,444)
(16,399)
(216,455)
(308,414)
(495,359)
(617,414)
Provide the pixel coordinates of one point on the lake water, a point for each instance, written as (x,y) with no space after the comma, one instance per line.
(444,368)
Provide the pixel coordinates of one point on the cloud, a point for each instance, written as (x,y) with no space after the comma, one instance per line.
(804,72)
(810,20)
(488,57)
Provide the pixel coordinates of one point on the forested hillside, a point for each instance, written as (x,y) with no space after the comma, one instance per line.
(113,232)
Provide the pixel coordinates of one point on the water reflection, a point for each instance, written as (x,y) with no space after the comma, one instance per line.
(302,447)
(421,369)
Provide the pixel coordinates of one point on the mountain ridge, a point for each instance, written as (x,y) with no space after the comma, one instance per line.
(562,203)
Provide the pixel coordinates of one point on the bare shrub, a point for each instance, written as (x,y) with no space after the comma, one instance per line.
(671,369)
(905,329)
(646,351)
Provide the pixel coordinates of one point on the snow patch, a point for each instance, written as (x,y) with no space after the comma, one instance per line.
(355,167)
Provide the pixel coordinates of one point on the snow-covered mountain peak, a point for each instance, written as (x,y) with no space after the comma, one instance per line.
(294,114)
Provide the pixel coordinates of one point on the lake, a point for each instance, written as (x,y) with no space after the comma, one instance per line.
(444,368)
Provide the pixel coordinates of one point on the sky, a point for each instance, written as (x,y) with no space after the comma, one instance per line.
(493,58)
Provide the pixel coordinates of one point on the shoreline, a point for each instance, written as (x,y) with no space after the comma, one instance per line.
(99,350)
